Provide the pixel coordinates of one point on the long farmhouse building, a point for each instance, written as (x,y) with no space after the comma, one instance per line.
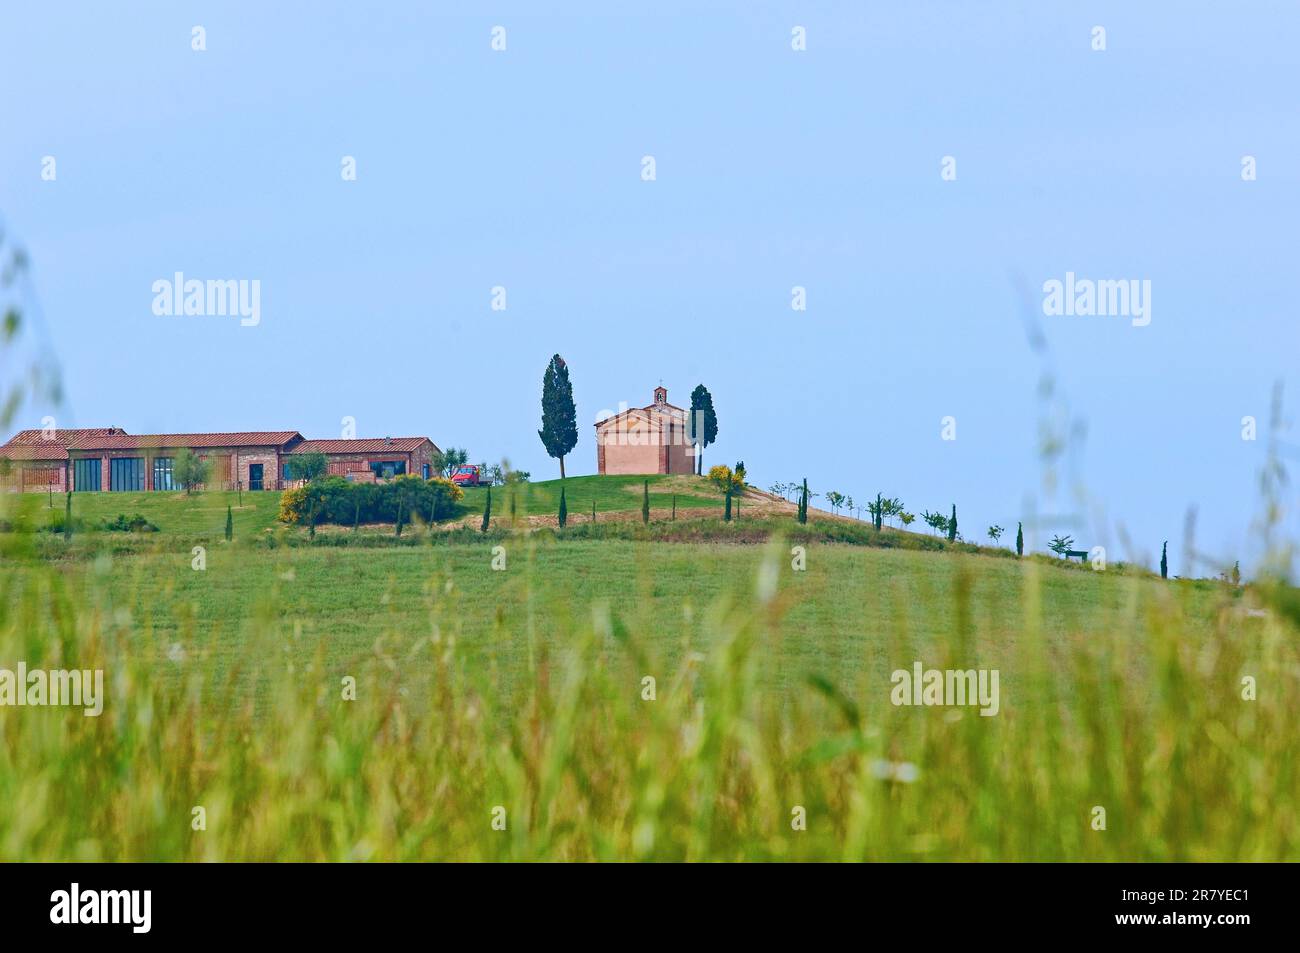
(108,458)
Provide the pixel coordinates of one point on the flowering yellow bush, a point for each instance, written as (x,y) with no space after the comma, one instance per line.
(723,476)
(456,492)
(293,505)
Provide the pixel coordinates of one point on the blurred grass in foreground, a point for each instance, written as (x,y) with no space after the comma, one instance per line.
(1135,706)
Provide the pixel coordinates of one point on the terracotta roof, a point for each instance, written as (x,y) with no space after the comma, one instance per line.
(37,445)
(196,441)
(51,451)
(376,445)
(33,445)
(27,438)
(645,410)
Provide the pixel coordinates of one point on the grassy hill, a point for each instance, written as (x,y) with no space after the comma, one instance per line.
(197,514)
(378,701)
(839,621)
(611,494)
(204,514)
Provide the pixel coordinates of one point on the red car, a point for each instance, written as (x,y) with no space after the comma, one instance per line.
(468,475)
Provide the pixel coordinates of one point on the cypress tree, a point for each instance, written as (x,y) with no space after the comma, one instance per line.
(1164,560)
(230,524)
(1020,539)
(645,503)
(880,512)
(487,512)
(702,424)
(67,518)
(512,507)
(803,502)
(564,509)
(726,514)
(559,431)
(952,525)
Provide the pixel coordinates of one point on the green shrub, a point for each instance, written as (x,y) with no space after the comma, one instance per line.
(128,524)
(135,523)
(335,500)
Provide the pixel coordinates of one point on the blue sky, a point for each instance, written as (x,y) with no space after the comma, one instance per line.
(775,168)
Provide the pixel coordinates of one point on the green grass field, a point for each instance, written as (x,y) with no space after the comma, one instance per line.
(844,616)
(204,514)
(523,688)
(611,494)
(197,514)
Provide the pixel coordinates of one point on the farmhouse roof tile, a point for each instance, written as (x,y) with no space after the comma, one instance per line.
(51,451)
(197,441)
(375,445)
(37,445)
(41,445)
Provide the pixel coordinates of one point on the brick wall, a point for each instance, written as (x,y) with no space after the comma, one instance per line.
(35,476)
(643,447)
(342,464)
(421,457)
(621,459)
(270,461)
(228,467)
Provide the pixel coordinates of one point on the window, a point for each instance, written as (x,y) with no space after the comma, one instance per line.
(85,474)
(162,473)
(424,471)
(126,473)
(284,471)
(387,469)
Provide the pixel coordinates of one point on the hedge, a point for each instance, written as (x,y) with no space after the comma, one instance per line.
(335,500)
